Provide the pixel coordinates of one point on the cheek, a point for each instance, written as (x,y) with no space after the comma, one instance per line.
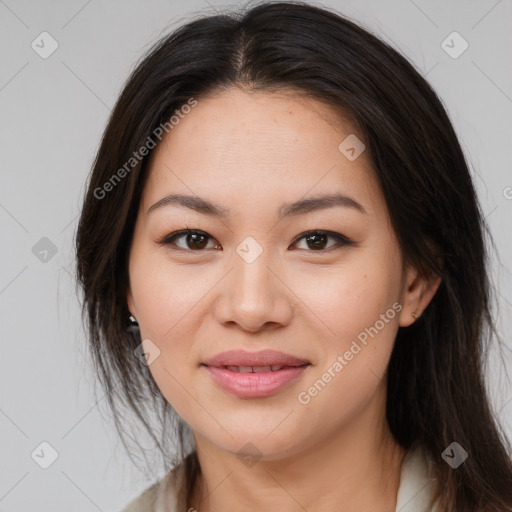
(352,297)
(352,371)
(167,302)
(167,305)
(166,294)
(358,313)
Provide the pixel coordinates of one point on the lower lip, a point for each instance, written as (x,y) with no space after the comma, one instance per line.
(255,385)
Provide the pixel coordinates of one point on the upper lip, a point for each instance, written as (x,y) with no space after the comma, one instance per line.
(261,358)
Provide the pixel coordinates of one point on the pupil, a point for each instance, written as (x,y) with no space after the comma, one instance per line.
(193,241)
(317,243)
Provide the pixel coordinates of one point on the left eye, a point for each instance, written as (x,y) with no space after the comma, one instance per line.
(198,240)
(317,239)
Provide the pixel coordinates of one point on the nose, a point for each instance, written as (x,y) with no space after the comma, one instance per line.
(254,296)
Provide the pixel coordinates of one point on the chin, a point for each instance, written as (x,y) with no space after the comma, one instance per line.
(256,442)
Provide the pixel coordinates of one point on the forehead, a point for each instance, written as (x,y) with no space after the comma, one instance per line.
(260,144)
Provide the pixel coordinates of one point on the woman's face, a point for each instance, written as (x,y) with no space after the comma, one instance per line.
(254,280)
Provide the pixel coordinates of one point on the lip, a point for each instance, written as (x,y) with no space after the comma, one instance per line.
(257,384)
(261,358)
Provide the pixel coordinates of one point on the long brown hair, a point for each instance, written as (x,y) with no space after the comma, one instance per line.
(436,385)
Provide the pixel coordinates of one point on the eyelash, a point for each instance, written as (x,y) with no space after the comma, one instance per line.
(341,240)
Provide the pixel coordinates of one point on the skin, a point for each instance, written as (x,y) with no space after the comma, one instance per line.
(251,152)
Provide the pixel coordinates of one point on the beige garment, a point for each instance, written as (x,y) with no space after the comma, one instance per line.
(414,491)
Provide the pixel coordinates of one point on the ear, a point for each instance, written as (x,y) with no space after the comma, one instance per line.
(417,294)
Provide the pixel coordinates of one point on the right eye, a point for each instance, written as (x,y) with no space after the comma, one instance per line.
(194,240)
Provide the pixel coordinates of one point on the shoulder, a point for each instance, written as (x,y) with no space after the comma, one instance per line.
(145,502)
(165,495)
(415,493)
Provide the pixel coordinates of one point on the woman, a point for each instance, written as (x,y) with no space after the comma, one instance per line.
(282,254)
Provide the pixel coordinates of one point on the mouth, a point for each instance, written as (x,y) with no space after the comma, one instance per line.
(255,375)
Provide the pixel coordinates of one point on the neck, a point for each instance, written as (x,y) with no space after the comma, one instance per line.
(353,469)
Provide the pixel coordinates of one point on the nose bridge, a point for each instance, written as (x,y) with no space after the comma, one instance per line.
(253,281)
(253,295)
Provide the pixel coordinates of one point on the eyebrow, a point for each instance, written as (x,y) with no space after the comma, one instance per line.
(300,207)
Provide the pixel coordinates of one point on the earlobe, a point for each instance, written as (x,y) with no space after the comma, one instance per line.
(418,293)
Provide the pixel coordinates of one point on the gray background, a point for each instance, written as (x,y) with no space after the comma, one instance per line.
(53,112)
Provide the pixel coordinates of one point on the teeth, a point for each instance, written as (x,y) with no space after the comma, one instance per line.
(254,369)
(259,369)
